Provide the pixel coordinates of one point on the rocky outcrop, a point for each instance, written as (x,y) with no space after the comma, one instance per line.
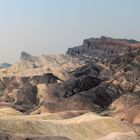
(76,85)
(103,47)
(25,56)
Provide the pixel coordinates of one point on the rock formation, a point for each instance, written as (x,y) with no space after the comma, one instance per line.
(103,47)
(90,93)
(59,65)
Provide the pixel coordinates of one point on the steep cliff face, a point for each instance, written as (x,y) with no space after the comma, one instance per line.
(103,47)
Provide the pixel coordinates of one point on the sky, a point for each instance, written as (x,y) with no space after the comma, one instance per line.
(51,26)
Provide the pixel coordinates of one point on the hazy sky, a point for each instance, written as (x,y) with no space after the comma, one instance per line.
(51,26)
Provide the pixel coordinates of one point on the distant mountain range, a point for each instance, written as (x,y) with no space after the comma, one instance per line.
(5,65)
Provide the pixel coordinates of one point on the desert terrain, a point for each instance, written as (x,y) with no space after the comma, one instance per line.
(90,93)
